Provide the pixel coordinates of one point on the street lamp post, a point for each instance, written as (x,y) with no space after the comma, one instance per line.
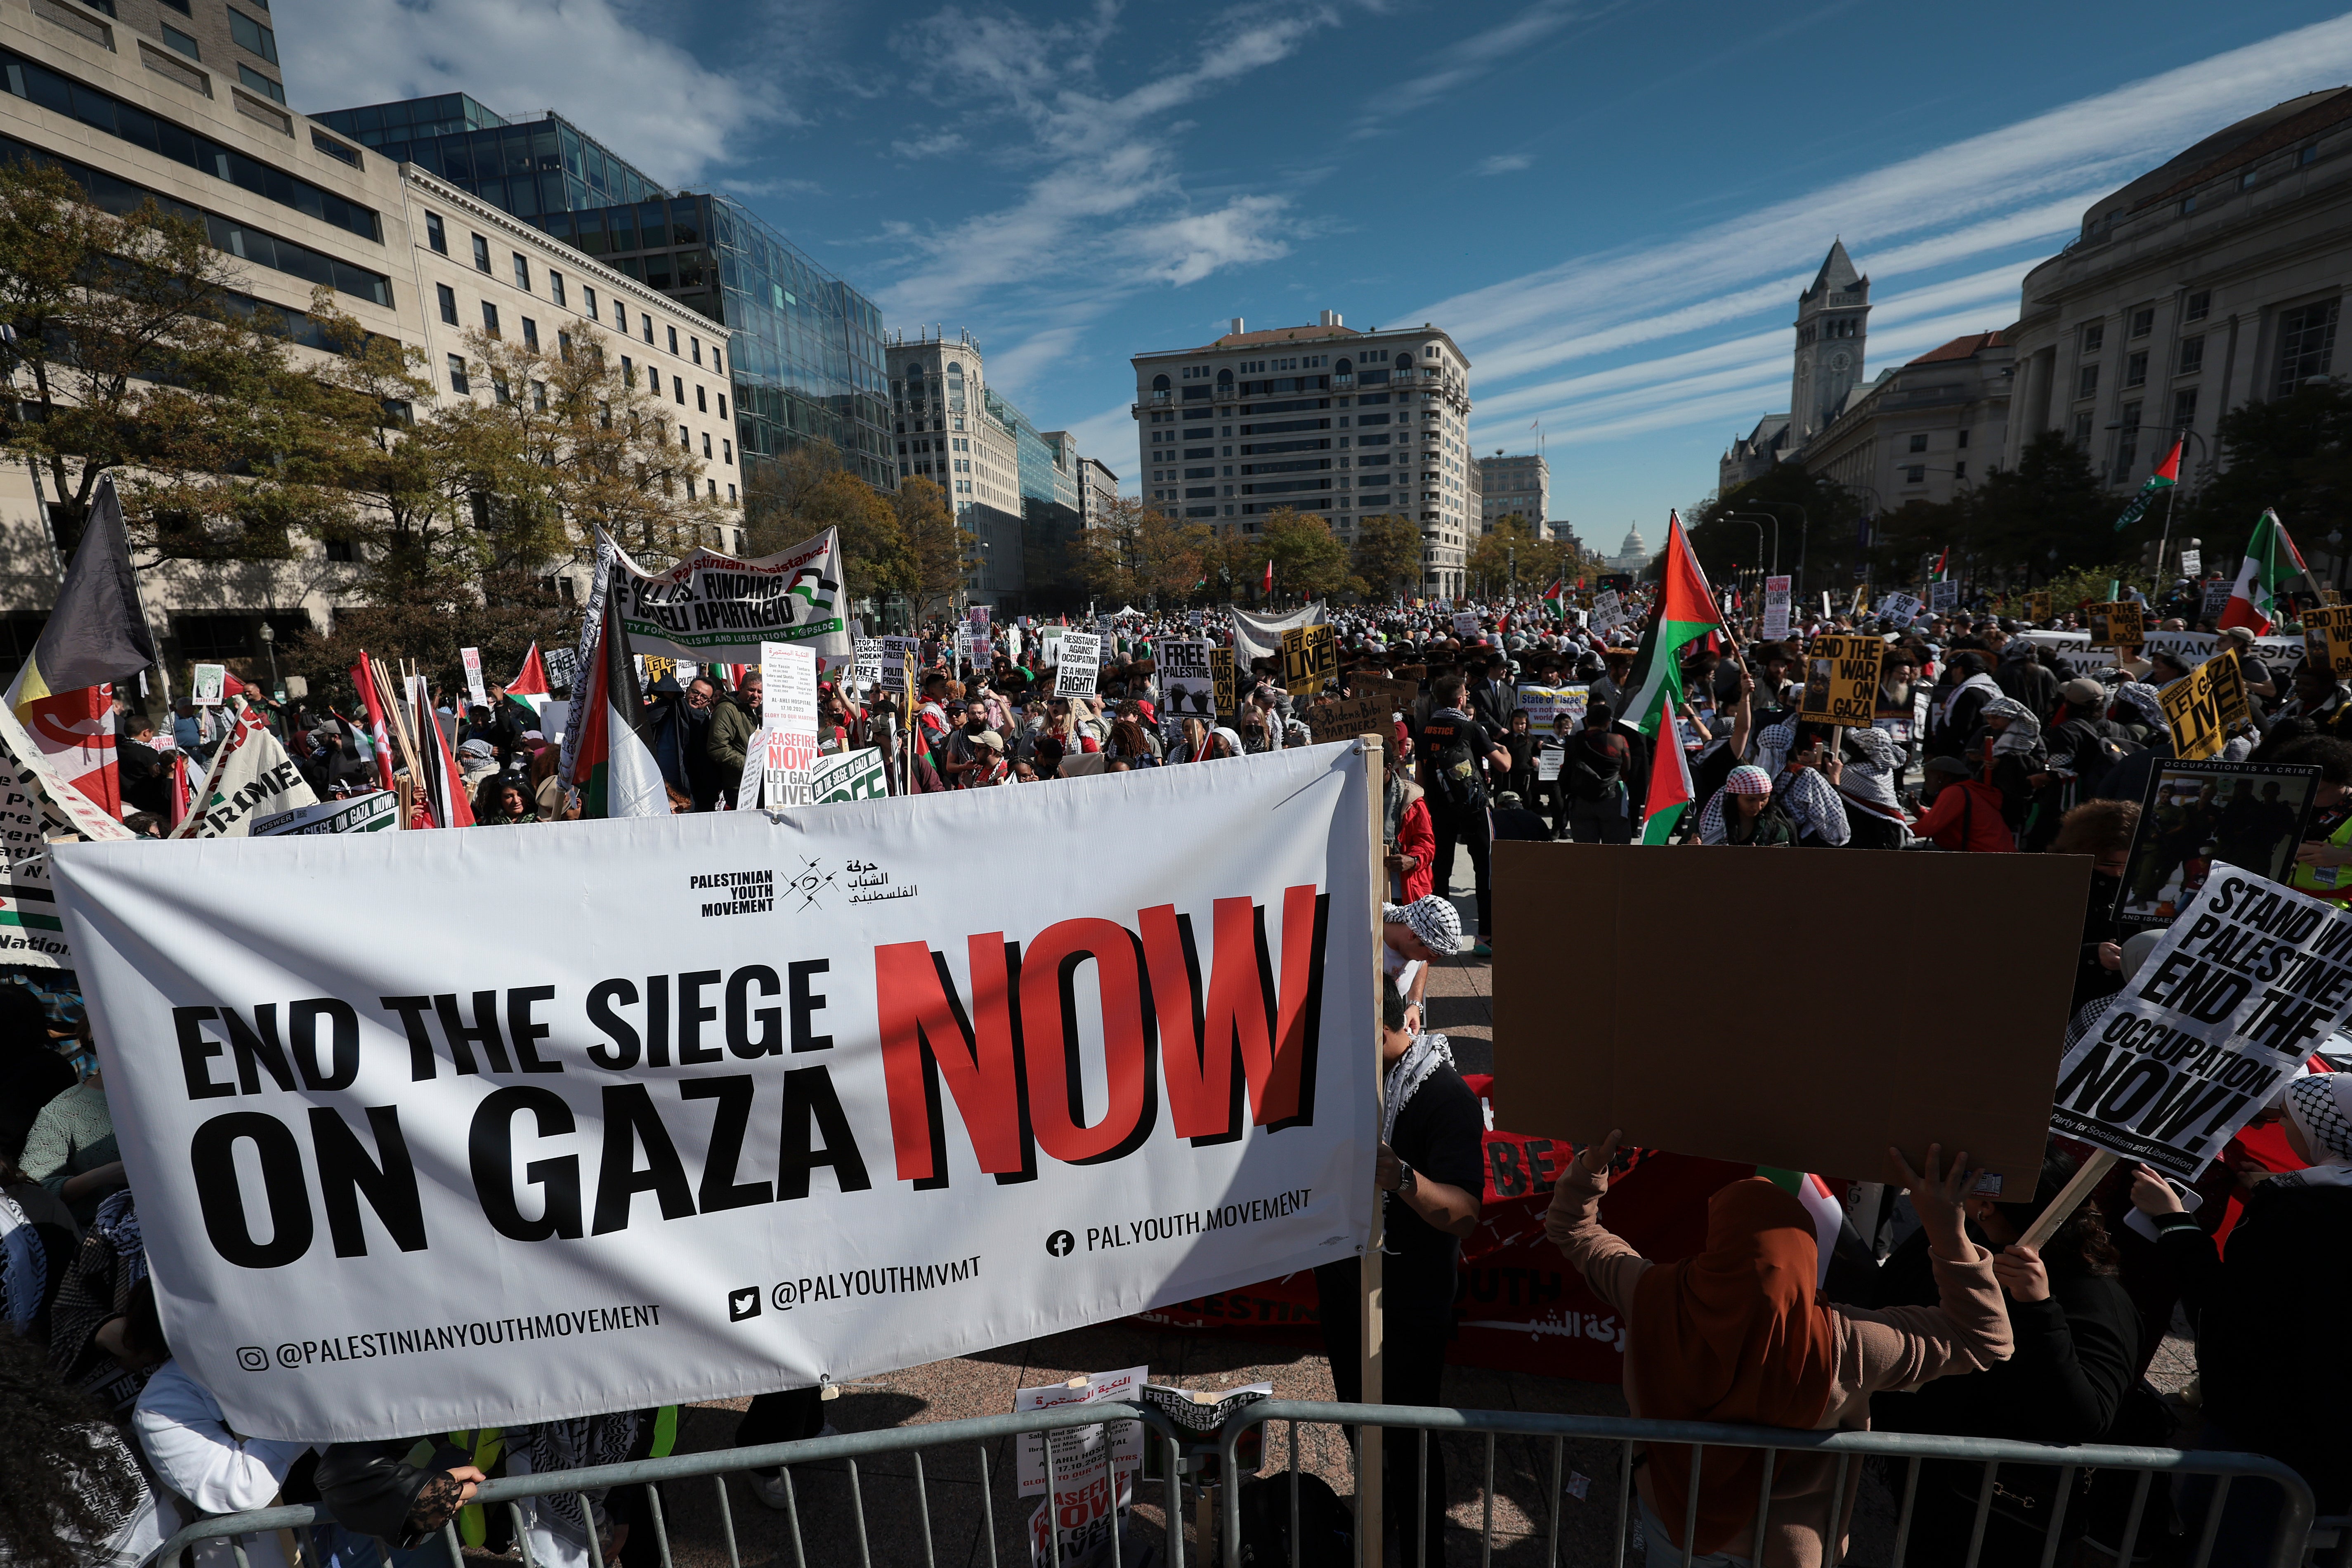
(269,646)
(1751,519)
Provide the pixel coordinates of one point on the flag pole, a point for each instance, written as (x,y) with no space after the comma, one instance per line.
(1370,1472)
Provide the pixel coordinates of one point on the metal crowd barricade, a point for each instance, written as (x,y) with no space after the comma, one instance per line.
(2287,1545)
(845,1449)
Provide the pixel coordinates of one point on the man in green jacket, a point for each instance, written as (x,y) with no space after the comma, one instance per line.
(734,720)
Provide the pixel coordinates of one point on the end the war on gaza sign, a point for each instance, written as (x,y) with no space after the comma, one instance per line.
(2244,986)
(741,1123)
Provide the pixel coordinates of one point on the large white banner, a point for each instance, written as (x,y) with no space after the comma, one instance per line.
(717,609)
(2283,654)
(253,775)
(1260,637)
(743,1118)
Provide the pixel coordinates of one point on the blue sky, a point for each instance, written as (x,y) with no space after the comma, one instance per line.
(1610,203)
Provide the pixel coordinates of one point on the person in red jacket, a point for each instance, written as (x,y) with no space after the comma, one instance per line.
(1412,841)
(1963,811)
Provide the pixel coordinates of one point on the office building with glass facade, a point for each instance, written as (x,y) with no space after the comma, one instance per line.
(805,348)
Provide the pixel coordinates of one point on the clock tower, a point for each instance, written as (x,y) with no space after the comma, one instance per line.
(1832,319)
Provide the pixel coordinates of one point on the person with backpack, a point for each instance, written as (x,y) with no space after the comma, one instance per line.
(1456,751)
(1592,776)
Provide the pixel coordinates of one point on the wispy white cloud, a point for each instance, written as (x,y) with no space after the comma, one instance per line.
(1504,163)
(593,61)
(931,146)
(1707,311)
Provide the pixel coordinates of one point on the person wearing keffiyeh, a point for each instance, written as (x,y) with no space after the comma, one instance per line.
(1867,785)
(2289,1262)
(1431,1164)
(1743,813)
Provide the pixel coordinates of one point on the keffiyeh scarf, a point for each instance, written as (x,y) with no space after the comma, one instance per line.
(2023,736)
(2141,698)
(2320,1107)
(1423,1057)
(572,1446)
(1984,683)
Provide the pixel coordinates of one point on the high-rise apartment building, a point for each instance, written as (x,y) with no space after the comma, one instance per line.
(297,204)
(1514,487)
(224,51)
(1097,489)
(806,347)
(1329,419)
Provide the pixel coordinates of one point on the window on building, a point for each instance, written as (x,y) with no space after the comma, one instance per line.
(481,254)
(2184,408)
(499,390)
(1962,441)
(522,271)
(1919,443)
(647,323)
(539,395)
(2142,320)
(706,444)
(563,346)
(2127,441)
(685,439)
(1959,470)
(715,368)
(457,383)
(2094,334)
(730,500)
(696,344)
(588,302)
(448,298)
(252,35)
(530,334)
(1917,474)
(2308,155)
(727,451)
(181,41)
(722,405)
(628,371)
(555,287)
(2082,428)
(490,318)
(2192,356)
(2086,381)
(2306,343)
(2135,369)
(436,235)
(673,340)
(2198,306)
(620,316)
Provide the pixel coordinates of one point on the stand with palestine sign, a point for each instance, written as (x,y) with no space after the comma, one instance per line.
(711,609)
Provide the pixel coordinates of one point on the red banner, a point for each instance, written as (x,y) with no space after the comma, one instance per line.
(1518,1306)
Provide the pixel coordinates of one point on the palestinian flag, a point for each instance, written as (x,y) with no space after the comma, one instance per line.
(438,786)
(379,730)
(2259,599)
(1267,586)
(1555,599)
(96,636)
(1942,571)
(1822,1205)
(1685,612)
(2166,475)
(603,756)
(1670,787)
(529,689)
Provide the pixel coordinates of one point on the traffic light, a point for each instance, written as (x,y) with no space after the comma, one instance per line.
(2151,556)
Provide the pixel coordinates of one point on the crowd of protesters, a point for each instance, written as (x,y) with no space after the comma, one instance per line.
(1985,742)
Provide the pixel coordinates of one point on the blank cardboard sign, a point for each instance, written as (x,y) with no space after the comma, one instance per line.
(1923,999)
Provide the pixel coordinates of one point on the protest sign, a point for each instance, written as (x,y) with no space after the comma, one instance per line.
(1123,1439)
(251,769)
(1310,656)
(849,775)
(471,657)
(784,751)
(1227,682)
(1260,637)
(2228,683)
(2192,562)
(1549,758)
(1841,679)
(1607,611)
(900,655)
(1080,665)
(2192,710)
(2037,605)
(2217,599)
(570,1117)
(2327,637)
(1776,609)
(720,608)
(563,664)
(2117,625)
(1545,705)
(204,688)
(1577,1074)
(1398,694)
(2250,814)
(2074,650)
(1196,619)
(1188,689)
(867,653)
(1899,609)
(1943,598)
(31,932)
(1345,718)
(1466,625)
(370,813)
(2247,983)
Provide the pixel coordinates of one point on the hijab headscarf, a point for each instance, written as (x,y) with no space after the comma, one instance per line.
(1732,1335)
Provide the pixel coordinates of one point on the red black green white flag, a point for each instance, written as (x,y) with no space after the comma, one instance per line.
(603,756)
(2166,475)
(1685,612)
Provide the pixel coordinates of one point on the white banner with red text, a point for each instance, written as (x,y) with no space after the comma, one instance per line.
(643,1111)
